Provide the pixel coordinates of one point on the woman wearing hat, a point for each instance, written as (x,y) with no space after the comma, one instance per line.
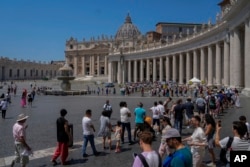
(21,147)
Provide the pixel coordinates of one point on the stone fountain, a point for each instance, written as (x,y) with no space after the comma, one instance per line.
(65,74)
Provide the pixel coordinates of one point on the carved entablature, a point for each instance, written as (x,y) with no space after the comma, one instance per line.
(226,6)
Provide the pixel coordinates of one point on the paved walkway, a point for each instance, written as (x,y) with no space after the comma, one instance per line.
(41,133)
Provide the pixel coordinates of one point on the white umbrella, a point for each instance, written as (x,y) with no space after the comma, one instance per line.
(195,80)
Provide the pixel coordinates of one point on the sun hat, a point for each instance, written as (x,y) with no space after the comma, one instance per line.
(21,117)
(172,132)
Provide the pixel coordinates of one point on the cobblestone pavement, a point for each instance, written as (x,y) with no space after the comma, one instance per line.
(41,133)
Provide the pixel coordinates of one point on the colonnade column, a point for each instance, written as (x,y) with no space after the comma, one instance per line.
(226,63)
(141,71)
(110,78)
(181,70)
(247,57)
(148,70)
(75,66)
(105,66)
(154,69)
(195,64)
(93,65)
(174,68)
(231,55)
(129,70)
(83,65)
(167,69)
(135,70)
(202,65)
(218,64)
(161,69)
(210,66)
(238,60)
(188,72)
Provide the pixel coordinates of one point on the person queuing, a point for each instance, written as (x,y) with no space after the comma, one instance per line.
(197,141)
(148,157)
(140,114)
(125,115)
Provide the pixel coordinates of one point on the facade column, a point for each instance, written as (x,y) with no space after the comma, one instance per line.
(105,65)
(119,73)
(135,70)
(226,63)
(181,69)
(154,69)
(75,66)
(141,70)
(238,73)
(148,70)
(174,68)
(202,65)
(188,66)
(218,64)
(110,78)
(83,66)
(246,91)
(98,65)
(210,66)
(167,68)
(129,71)
(93,65)
(161,69)
(195,64)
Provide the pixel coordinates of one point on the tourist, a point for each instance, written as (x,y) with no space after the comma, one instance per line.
(197,141)
(23,98)
(140,114)
(189,107)
(244,120)
(63,138)
(118,134)
(165,104)
(182,156)
(4,107)
(161,108)
(148,156)
(210,127)
(201,106)
(105,130)
(178,115)
(237,99)
(166,125)
(239,130)
(88,134)
(125,121)
(156,117)
(22,149)
(107,107)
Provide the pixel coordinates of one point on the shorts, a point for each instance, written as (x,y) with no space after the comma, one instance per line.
(140,126)
(19,158)
(156,121)
(201,109)
(210,143)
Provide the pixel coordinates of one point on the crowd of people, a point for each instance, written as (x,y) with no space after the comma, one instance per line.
(164,119)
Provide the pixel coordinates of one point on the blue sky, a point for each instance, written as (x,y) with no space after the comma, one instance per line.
(38,29)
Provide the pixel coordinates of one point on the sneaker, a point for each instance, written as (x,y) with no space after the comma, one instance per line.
(85,155)
(97,153)
(54,163)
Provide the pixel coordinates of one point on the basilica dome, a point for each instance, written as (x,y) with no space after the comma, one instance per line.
(127,30)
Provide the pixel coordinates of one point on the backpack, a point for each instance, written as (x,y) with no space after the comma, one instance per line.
(223,151)
(168,160)
(144,162)
(212,104)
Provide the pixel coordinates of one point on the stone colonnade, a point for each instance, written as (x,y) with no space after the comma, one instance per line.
(223,59)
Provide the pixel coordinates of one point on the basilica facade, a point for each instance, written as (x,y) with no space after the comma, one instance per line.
(218,54)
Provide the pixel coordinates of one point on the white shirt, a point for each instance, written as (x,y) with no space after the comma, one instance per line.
(86,123)
(161,109)
(198,136)
(124,111)
(155,112)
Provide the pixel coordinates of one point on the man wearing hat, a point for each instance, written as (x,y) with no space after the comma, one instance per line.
(182,156)
(20,141)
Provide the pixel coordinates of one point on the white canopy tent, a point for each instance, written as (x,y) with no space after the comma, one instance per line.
(195,80)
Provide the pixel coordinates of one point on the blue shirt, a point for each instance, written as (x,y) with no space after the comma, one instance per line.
(140,114)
